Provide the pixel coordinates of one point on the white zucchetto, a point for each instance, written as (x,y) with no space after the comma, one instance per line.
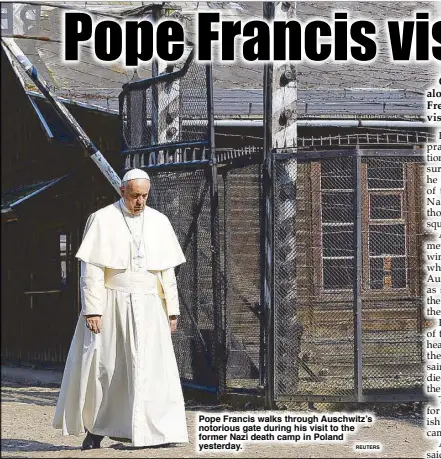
(134,174)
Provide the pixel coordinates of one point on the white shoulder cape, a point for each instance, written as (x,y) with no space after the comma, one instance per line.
(106,240)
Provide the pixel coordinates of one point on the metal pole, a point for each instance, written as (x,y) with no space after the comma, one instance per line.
(357,279)
(267,256)
(219,319)
(228,262)
(64,114)
(280,135)
(156,12)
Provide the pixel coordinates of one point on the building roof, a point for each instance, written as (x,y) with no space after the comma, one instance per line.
(312,103)
(325,103)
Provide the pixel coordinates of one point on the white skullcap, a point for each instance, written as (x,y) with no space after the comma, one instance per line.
(134,174)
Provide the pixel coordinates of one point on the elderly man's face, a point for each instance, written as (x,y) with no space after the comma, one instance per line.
(135,195)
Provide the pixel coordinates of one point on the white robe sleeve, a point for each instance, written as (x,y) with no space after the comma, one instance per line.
(93,290)
(170,291)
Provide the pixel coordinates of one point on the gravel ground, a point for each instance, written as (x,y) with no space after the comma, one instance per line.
(28,408)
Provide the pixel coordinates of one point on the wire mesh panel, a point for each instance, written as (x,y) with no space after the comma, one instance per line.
(185,198)
(347,276)
(314,277)
(170,109)
(392,297)
(333,184)
(240,230)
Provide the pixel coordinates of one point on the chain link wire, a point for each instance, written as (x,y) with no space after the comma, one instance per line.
(240,192)
(314,232)
(185,198)
(315,283)
(392,320)
(156,113)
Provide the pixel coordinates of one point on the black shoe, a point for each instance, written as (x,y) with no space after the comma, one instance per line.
(92,441)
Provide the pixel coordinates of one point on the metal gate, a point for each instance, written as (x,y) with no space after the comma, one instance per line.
(219,339)
(302,274)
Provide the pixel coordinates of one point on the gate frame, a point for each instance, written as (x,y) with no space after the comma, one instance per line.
(208,163)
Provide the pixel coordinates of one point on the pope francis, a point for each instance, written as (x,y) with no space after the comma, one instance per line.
(121,379)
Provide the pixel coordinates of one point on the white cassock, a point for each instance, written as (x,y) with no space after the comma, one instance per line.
(124,381)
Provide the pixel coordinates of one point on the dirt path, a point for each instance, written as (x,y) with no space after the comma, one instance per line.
(28,410)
